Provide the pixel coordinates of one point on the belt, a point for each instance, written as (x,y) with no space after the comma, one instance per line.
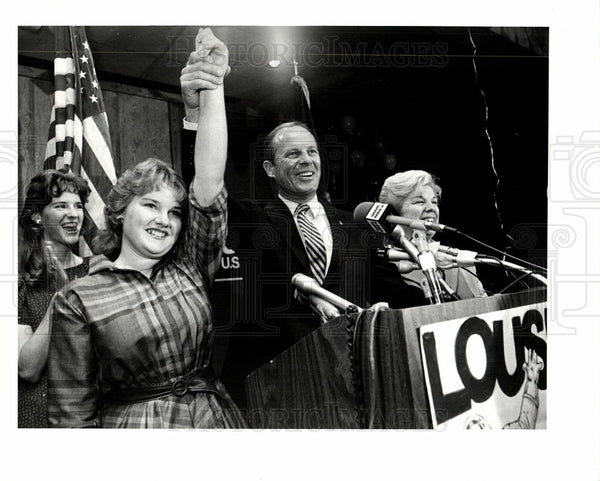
(200,381)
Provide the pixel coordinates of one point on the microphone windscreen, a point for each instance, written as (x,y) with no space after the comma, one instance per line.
(361,211)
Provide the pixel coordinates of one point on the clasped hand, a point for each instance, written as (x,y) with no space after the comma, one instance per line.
(206,68)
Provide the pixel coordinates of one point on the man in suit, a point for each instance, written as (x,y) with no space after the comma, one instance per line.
(294,227)
(296,232)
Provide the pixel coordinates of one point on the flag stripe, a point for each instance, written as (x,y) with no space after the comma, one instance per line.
(94,170)
(65,98)
(96,139)
(95,205)
(63,66)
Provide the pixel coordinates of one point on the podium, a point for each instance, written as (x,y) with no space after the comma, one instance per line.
(364,371)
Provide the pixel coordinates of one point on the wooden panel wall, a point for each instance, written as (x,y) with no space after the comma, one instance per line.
(143,123)
(34,115)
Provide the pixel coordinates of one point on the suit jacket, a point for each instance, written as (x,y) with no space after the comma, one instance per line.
(265,318)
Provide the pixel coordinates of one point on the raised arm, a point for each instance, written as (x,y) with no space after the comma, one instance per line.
(202,78)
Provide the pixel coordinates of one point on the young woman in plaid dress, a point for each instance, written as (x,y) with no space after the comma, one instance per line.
(131,343)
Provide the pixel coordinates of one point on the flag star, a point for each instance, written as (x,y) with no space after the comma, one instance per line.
(94,99)
(83,59)
(82,74)
(86,45)
(95,84)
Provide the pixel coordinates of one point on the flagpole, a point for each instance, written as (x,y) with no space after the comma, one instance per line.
(76,161)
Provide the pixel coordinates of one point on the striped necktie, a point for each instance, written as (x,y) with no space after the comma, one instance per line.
(313,243)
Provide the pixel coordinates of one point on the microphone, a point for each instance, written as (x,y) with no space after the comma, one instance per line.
(460,258)
(382,217)
(465,258)
(393,254)
(428,266)
(398,235)
(321,307)
(401,259)
(419,252)
(309,287)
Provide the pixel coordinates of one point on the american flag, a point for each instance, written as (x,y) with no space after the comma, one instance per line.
(78,136)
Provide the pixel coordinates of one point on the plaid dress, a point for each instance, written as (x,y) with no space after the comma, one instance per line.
(117,329)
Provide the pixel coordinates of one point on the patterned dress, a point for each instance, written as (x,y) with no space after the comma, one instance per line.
(33,303)
(119,330)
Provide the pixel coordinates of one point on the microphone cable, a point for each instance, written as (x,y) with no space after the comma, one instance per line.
(512,272)
(505,254)
(519,279)
(465,269)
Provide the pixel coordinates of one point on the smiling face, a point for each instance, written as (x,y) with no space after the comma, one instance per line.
(62,219)
(151,226)
(296,165)
(422,204)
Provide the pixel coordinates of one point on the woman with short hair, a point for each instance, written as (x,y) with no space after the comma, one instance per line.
(416,194)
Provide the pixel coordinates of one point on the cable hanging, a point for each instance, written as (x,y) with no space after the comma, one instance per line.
(492,159)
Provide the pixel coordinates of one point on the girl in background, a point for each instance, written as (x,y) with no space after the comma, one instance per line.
(49,228)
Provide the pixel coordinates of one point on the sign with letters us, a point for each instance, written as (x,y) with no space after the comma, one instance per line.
(487,371)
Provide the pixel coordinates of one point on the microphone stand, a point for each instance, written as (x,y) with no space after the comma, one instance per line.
(513,267)
(428,266)
(447,289)
(465,258)
(424,258)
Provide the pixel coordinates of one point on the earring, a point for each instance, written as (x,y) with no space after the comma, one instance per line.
(38,221)
(121,220)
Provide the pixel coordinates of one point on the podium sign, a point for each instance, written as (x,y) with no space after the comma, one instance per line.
(370,372)
(487,371)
